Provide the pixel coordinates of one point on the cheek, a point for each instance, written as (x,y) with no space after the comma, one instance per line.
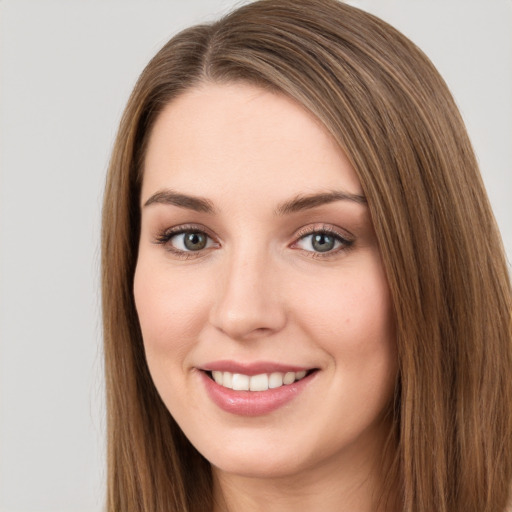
(353,306)
(351,317)
(170,309)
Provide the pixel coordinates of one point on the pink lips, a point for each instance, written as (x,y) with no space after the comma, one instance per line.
(252,403)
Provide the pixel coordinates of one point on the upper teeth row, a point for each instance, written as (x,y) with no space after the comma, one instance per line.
(262,382)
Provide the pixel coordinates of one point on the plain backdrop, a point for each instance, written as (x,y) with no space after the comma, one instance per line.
(66,69)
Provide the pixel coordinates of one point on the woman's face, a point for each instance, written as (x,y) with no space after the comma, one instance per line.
(258,267)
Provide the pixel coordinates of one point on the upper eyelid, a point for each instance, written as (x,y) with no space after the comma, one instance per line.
(324,228)
(184,228)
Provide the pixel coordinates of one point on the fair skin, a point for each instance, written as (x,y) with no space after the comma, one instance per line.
(251,279)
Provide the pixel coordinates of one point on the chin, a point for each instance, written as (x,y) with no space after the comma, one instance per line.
(255,460)
(255,467)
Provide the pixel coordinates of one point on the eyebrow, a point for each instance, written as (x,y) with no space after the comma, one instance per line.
(198,204)
(296,204)
(306,202)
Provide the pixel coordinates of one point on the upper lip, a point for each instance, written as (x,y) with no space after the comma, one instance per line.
(254,368)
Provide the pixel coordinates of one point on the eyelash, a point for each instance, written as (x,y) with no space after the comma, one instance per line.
(165,237)
(344,243)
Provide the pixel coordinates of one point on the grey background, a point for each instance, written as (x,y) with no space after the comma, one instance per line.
(66,69)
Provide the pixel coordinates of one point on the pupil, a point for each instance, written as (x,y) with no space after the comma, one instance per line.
(195,241)
(323,242)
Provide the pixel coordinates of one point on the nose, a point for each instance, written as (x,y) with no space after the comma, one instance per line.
(248,302)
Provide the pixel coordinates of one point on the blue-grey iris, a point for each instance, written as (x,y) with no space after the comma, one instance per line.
(322,242)
(195,241)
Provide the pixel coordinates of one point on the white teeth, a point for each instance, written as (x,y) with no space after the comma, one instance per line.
(261,382)
(289,377)
(227,380)
(217,377)
(241,382)
(275,380)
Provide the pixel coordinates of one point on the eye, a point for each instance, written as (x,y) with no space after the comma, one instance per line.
(183,240)
(190,241)
(318,242)
(322,242)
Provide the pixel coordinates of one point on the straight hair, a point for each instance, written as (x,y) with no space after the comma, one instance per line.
(388,109)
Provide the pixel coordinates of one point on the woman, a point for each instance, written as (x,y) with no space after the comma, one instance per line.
(306,302)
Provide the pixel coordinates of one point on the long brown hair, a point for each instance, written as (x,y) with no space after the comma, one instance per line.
(390,111)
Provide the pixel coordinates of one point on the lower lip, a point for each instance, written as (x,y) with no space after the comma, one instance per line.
(253,403)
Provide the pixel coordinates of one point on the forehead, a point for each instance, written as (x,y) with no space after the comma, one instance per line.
(230,138)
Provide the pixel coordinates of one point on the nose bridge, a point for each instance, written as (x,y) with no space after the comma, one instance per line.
(247,302)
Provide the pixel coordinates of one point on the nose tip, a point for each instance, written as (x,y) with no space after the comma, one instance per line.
(245,326)
(247,305)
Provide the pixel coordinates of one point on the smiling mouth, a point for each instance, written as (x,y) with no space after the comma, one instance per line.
(260,382)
